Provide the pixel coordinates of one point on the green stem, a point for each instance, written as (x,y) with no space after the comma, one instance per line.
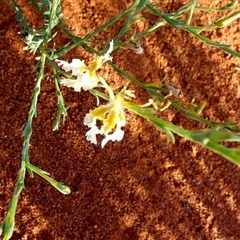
(189,18)
(131,19)
(62,110)
(224,8)
(9,222)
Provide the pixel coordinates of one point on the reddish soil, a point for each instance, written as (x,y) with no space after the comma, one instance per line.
(144,187)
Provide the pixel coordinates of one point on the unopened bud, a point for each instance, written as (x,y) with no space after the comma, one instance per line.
(223,22)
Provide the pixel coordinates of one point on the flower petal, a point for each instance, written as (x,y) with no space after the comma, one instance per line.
(89,80)
(88,120)
(74,83)
(76,66)
(116,136)
(107,56)
(91,134)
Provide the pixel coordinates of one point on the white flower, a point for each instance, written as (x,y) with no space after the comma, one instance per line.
(86,76)
(86,80)
(112,117)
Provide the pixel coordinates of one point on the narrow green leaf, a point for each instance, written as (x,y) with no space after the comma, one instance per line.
(58,185)
(224,8)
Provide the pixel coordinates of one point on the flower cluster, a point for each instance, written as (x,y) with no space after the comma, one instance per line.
(111,115)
